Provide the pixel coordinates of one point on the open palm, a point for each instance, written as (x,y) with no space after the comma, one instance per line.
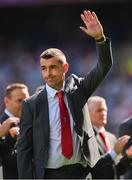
(92,27)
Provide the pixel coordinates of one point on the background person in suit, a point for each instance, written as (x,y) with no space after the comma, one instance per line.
(14,95)
(4,129)
(41,152)
(98,114)
(126,128)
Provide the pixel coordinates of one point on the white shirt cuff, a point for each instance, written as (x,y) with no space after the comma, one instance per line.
(113,154)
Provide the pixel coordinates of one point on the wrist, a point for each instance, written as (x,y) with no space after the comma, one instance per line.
(101,39)
(113,154)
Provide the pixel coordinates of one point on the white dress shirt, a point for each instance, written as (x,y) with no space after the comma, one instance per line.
(56,158)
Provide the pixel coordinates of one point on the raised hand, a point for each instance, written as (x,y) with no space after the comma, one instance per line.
(93,26)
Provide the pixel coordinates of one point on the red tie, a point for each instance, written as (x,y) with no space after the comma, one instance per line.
(103,137)
(66,136)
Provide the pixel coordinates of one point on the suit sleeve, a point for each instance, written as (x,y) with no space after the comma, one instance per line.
(25,144)
(126,129)
(98,73)
(101,164)
(123,165)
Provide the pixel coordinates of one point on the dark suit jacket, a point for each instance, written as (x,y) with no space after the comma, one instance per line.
(126,128)
(8,156)
(112,170)
(33,143)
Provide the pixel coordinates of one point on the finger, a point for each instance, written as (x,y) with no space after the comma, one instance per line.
(88,15)
(95,16)
(16,121)
(124,137)
(83,29)
(124,141)
(84,19)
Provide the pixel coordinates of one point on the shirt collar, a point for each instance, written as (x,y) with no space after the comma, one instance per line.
(8,113)
(52,92)
(99,130)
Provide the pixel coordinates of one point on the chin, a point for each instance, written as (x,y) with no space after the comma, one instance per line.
(50,85)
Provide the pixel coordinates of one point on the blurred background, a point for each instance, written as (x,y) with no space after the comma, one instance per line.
(27,27)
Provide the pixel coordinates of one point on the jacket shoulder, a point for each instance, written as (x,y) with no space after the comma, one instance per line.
(3,117)
(73,76)
(33,100)
(73,79)
(127,121)
(34,97)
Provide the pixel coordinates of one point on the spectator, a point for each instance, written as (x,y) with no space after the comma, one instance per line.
(6,125)
(126,128)
(14,95)
(107,142)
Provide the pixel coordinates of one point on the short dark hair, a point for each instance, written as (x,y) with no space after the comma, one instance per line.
(54,52)
(13,86)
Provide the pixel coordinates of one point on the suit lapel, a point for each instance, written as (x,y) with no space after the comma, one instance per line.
(43,112)
(69,90)
(69,99)
(100,144)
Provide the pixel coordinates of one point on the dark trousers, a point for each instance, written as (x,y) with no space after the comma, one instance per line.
(75,171)
(9,167)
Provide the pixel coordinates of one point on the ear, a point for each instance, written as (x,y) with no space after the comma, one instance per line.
(66,67)
(6,100)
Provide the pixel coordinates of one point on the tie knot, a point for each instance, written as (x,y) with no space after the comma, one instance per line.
(60,94)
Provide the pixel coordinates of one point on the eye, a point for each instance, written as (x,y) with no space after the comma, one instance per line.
(43,67)
(19,101)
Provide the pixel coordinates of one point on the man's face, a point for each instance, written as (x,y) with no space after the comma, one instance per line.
(14,103)
(53,72)
(99,114)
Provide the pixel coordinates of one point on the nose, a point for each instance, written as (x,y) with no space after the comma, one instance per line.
(104,113)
